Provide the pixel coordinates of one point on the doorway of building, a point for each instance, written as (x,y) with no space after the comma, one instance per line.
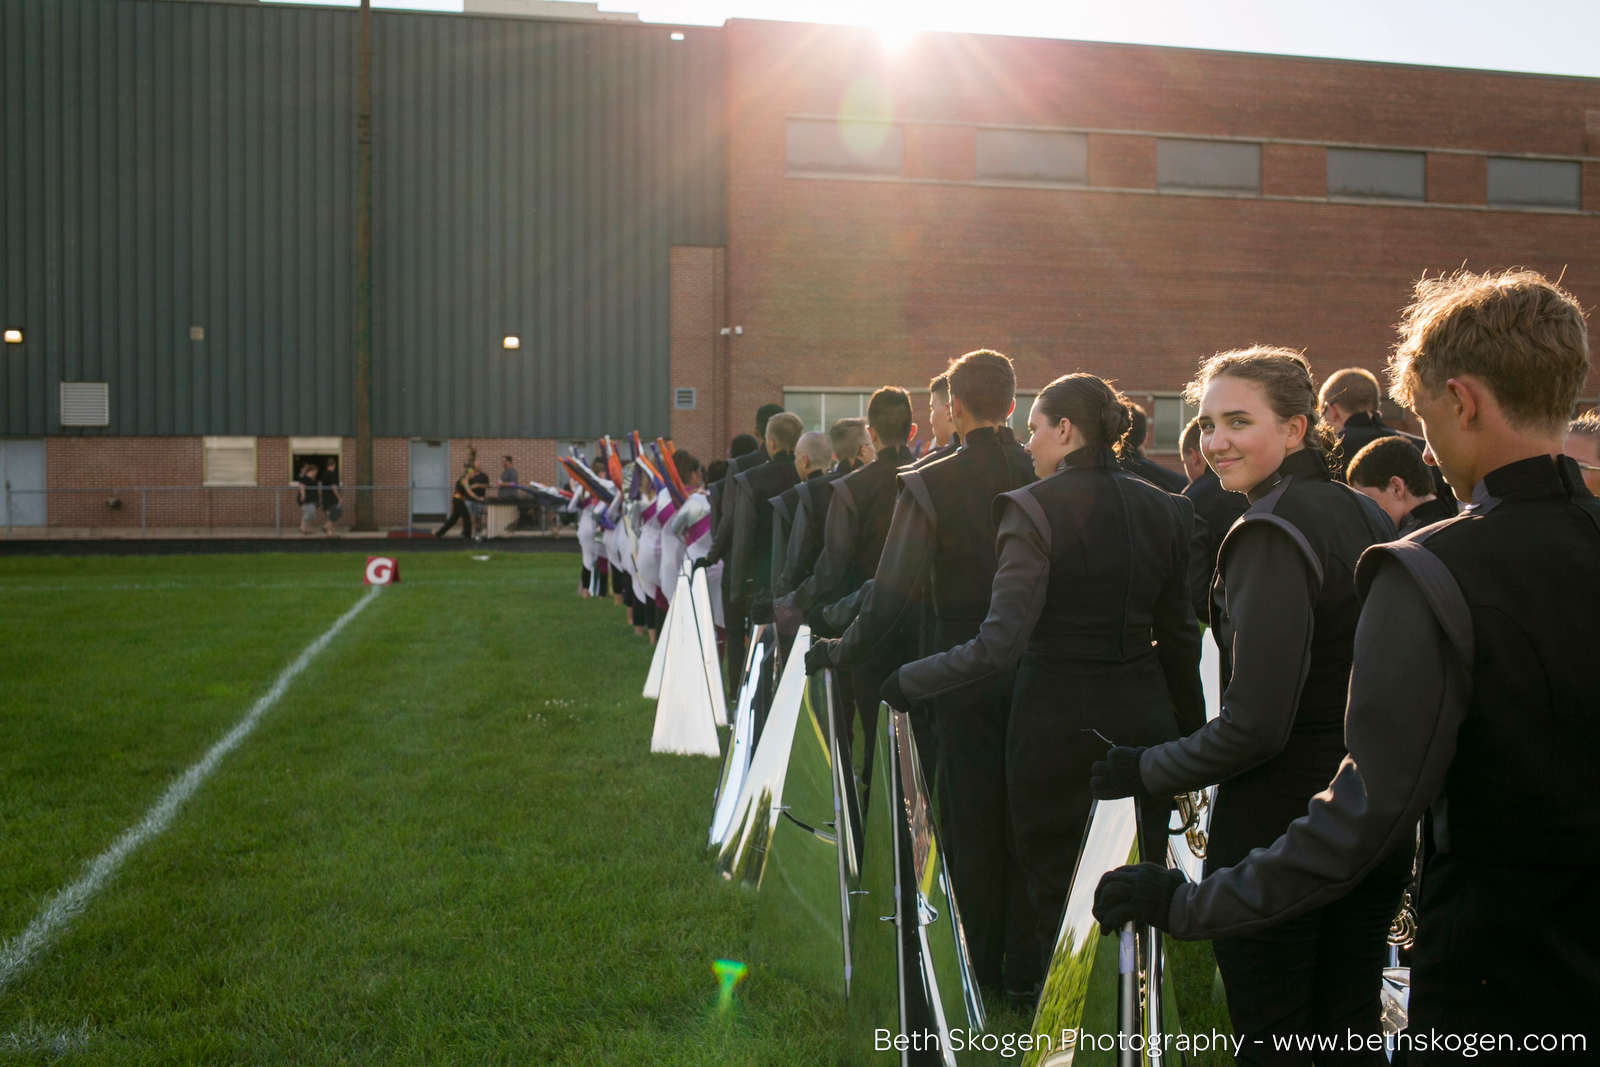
(430,480)
(22,475)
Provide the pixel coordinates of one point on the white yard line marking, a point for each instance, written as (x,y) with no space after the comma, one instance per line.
(19,952)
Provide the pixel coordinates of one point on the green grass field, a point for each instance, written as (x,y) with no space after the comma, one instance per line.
(447,843)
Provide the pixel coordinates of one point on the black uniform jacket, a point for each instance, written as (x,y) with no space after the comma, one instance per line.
(785,512)
(812,497)
(750,564)
(1436,510)
(1288,614)
(1505,759)
(1365,427)
(1215,511)
(1135,462)
(950,563)
(857,523)
(722,507)
(1028,543)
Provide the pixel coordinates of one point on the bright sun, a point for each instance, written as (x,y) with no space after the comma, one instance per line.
(896,39)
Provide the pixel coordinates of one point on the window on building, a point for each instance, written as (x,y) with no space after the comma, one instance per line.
(1019,416)
(85,404)
(1535,182)
(230,461)
(1379,175)
(1033,156)
(1168,416)
(841,146)
(1226,166)
(821,410)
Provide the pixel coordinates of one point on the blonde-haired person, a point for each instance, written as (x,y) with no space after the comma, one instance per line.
(1284,611)
(1471,701)
(1090,597)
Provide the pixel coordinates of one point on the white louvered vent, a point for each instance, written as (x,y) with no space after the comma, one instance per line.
(230,461)
(85,404)
(683,398)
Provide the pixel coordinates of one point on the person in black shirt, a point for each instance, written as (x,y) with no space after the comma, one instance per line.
(1284,609)
(721,496)
(1348,403)
(1215,511)
(857,525)
(1390,472)
(465,492)
(332,505)
(1090,607)
(941,546)
(1471,704)
(309,495)
(1133,457)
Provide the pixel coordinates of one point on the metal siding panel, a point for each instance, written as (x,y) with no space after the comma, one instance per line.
(193,165)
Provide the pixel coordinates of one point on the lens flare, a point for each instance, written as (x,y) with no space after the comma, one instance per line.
(729,974)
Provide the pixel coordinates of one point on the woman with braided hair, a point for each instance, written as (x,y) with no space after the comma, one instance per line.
(1090,598)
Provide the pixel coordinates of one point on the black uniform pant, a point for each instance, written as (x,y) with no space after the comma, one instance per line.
(980,851)
(458,512)
(1050,747)
(1318,974)
(1505,949)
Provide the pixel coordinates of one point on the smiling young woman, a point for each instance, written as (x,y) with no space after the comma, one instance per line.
(1283,611)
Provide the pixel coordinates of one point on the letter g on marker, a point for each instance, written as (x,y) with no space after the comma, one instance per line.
(381,570)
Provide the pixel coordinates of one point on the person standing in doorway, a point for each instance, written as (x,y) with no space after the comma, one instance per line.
(332,503)
(309,495)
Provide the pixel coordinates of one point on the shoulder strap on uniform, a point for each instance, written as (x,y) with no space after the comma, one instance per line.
(1438,585)
(1261,511)
(918,488)
(841,491)
(1029,505)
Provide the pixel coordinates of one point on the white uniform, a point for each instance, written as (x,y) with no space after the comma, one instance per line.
(649,560)
(692,525)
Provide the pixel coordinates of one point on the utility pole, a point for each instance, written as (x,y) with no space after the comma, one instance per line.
(363,309)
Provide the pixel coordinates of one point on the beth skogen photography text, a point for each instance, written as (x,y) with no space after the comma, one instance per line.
(769,533)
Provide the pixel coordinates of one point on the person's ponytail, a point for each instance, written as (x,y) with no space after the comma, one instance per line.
(1099,412)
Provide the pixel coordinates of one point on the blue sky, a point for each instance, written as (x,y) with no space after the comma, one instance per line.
(1546,36)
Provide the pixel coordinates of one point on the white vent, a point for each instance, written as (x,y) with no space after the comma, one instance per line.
(230,461)
(85,404)
(683,398)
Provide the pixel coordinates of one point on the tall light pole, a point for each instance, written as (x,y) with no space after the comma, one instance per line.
(363,309)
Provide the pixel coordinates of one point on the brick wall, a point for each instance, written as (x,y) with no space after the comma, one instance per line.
(698,315)
(859,283)
(170,470)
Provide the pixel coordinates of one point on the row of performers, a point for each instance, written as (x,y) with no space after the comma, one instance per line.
(1388,702)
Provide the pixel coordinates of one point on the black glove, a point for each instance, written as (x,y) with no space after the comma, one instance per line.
(819,657)
(699,565)
(1141,894)
(1118,774)
(761,610)
(891,693)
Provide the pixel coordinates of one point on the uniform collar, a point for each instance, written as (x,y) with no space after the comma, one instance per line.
(1364,418)
(1306,464)
(1092,456)
(898,455)
(980,435)
(1533,478)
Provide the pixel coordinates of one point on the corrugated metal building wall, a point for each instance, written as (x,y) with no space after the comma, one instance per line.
(173,164)
(529,180)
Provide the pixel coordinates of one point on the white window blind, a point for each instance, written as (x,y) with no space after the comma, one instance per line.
(230,461)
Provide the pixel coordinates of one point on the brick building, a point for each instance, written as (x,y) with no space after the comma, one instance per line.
(680,224)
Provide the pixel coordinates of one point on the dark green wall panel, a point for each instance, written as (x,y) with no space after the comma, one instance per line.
(171,164)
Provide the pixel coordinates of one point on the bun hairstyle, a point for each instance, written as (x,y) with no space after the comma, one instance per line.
(1099,412)
(1285,380)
